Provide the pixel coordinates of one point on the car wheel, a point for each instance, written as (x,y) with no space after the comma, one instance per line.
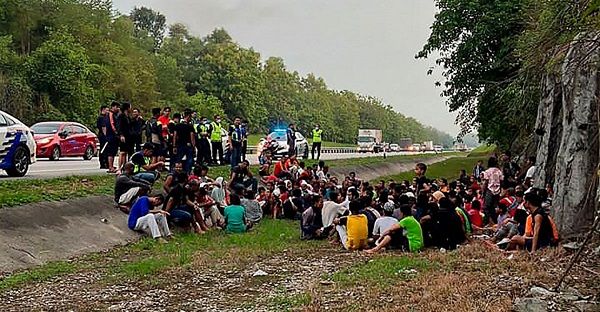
(89,153)
(55,153)
(20,162)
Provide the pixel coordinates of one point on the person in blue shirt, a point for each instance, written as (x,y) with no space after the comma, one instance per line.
(144,216)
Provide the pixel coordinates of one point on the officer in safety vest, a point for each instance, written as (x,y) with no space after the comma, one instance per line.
(216,141)
(203,147)
(317,138)
(143,168)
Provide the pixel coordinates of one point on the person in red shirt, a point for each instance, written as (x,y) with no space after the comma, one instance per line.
(475,215)
(281,169)
(164,121)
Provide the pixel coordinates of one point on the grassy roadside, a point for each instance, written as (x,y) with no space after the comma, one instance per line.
(27,191)
(449,169)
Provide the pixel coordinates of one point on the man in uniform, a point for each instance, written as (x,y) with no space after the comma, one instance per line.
(215,139)
(203,145)
(317,138)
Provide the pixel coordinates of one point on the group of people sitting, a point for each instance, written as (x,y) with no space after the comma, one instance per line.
(361,216)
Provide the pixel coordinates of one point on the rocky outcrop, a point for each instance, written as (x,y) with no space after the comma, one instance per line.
(567,124)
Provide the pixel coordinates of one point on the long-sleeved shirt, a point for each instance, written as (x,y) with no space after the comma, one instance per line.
(124,183)
(330,211)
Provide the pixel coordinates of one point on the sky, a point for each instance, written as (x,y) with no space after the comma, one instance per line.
(363,46)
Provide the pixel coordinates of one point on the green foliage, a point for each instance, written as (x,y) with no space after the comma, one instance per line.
(79,54)
(382,271)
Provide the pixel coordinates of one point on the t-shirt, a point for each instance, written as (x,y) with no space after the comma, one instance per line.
(383,224)
(253,211)
(279,168)
(184,131)
(139,160)
(179,195)
(413,232)
(124,125)
(357,229)
(234,216)
(140,208)
(240,174)
(164,123)
(100,122)
(530,172)
(475,218)
(236,135)
(494,177)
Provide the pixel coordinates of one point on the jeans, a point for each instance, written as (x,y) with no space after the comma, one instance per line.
(187,152)
(149,176)
(180,216)
(236,156)
(250,182)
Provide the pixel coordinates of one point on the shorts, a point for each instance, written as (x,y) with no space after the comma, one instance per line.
(127,147)
(112,147)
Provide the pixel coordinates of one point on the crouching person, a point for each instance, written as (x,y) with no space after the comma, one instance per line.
(127,189)
(353,229)
(407,233)
(312,220)
(146,217)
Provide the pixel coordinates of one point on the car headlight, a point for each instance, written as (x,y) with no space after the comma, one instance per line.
(44,141)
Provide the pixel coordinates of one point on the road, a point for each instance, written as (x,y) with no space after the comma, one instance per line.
(44,168)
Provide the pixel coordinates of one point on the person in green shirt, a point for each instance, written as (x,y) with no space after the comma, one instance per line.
(235,215)
(411,235)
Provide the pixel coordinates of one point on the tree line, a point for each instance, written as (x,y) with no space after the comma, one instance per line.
(62,59)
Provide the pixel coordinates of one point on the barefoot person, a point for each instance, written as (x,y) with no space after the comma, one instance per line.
(411,234)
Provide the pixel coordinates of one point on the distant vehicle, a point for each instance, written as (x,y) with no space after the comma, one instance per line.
(405,144)
(461,147)
(416,147)
(57,139)
(394,148)
(370,140)
(428,146)
(438,148)
(17,149)
(280,136)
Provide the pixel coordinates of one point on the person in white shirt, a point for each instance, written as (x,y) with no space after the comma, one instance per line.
(531,171)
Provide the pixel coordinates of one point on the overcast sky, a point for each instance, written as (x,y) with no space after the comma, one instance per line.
(358,45)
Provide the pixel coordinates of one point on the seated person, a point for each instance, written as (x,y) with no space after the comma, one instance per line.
(332,209)
(280,170)
(254,212)
(509,228)
(207,206)
(176,204)
(171,180)
(144,169)
(145,216)
(312,221)
(541,234)
(448,229)
(235,216)
(293,206)
(475,215)
(127,189)
(406,233)
(353,229)
(241,176)
(200,173)
(218,194)
(384,223)
(502,212)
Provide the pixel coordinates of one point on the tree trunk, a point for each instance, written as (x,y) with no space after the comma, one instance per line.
(568,148)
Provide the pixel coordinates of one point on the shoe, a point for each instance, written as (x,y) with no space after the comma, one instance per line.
(161,240)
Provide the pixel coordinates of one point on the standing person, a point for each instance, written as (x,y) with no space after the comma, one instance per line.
(216,140)
(184,141)
(478,170)
(100,122)
(291,139)
(164,121)
(317,138)
(137,128)
(492,180)
(154,134)
(244,139)
(235,142)
(126,145)
(110,130)
(510,170)
(203,144)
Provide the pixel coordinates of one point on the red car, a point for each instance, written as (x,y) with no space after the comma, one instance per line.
(63,139)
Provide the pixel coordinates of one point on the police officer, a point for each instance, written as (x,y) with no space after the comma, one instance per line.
(291,139)
(203,146)
(216,141)
(317,138)
(235,142)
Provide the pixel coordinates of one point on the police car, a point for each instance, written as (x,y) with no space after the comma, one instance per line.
(17,146)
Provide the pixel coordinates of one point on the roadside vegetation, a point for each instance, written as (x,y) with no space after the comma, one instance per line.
(484,150)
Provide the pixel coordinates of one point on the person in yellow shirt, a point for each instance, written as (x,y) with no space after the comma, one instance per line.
(353,229)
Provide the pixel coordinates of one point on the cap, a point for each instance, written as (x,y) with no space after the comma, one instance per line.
(389,206)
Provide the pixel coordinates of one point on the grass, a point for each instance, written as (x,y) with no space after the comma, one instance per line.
(38,274)
(484,150)
(287,302)
(381,271)
(449,169)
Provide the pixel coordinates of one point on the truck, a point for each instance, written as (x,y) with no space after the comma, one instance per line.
(428,146)
(405,144)
(370,140)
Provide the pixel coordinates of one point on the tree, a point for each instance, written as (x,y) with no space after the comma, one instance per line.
(149,24)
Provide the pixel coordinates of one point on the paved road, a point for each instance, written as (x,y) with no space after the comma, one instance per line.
(44,168)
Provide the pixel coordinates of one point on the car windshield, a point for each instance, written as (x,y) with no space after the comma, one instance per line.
(278,136)
(364,139)
(45,128)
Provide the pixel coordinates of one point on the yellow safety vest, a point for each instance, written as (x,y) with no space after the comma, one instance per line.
(317,135)
(215,136)
(137,168)
(201,129)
